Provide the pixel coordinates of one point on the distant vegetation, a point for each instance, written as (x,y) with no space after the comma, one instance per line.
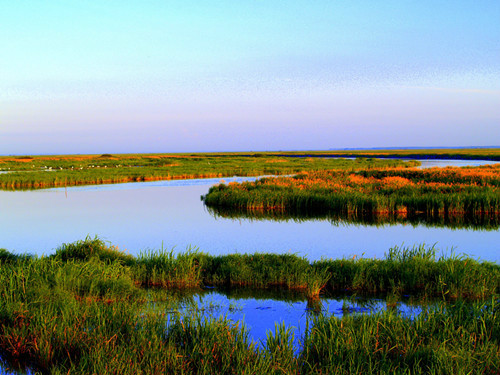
(60,171)
(90,308)
(445,153)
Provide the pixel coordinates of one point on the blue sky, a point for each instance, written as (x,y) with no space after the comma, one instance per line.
(173,76)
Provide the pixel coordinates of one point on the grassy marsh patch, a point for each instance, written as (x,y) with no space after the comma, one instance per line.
(79,313)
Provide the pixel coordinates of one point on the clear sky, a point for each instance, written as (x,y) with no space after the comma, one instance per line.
(117,76)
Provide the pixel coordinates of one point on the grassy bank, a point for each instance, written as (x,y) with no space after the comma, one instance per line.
(364,193)
(417,271)
(36,172)
(86,309)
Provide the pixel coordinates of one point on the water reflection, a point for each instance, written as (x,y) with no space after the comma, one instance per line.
(474,222)
(259,310)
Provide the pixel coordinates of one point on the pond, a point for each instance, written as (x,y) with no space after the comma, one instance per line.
(261,310)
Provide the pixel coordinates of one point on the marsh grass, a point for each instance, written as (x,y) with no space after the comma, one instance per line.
(447,339)
(415,271)
(61,171)
(367,193)
(168,269)
(92,314)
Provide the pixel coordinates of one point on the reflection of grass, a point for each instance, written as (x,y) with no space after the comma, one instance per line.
(81,314)
(476,222)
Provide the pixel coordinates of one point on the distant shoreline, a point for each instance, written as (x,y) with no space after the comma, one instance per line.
(399,156)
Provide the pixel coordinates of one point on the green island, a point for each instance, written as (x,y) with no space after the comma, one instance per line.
(91,309)
(370,192)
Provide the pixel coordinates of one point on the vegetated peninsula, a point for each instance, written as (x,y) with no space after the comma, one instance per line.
(370,192)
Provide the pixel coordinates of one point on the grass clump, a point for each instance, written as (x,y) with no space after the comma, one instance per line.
(167,269)
(89,248)
(8,257)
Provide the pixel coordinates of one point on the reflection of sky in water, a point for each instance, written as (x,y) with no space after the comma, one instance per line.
(139,216)
(454,163)
(260,315)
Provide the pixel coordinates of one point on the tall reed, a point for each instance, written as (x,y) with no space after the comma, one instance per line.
(369,192)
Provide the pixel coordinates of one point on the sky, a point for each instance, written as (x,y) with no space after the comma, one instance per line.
(111,76)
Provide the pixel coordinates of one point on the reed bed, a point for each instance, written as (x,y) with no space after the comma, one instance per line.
(86,310)
(414,271)
(403,192)
(417,270)
(448,339)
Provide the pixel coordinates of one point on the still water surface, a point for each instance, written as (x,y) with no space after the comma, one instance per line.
(149,215)
(260,314)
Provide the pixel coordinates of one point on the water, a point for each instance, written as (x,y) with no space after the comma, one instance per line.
(431,163)
(149,215)
(259,313)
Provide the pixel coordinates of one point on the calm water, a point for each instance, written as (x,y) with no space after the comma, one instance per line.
(260,313)
(149,215)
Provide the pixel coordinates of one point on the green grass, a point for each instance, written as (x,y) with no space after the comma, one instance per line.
(448,339)
(89,309)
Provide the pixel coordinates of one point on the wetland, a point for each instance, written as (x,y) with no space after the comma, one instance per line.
(147,276)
